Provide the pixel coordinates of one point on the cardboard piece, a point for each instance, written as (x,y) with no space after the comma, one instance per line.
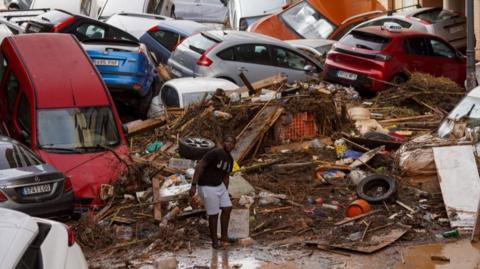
(239,225)
(459,182)
(239,186)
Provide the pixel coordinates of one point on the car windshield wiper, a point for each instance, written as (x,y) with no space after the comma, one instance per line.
(52,147)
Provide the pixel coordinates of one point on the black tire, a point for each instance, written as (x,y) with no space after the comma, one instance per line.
(366,188)
(399,79)
(194,148)
(145,102)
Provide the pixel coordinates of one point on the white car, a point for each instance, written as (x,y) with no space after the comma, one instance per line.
(208,11)
(243,13)
(182,92)
(159,7)
(28,242)
(88,8)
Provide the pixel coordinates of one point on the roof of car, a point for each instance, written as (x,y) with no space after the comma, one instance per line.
(185,27)
(382,31)
(313,43)
(61,72)
(413,12)
(135,23)
(200,84)
(241,36)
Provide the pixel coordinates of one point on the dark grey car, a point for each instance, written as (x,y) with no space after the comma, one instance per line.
(30,185)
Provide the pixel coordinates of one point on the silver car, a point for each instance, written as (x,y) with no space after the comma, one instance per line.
(447,24)
(226,54)
(30,185)
(214,11)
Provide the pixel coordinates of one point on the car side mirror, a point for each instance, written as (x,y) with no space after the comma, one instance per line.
(309,68)
(125,129)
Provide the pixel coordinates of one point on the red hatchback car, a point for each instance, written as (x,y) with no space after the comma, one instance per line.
(53,99)
(369,55)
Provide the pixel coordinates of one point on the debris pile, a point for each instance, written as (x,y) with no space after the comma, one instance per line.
(315,162)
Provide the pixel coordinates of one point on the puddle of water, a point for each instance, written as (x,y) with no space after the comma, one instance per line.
(462,254)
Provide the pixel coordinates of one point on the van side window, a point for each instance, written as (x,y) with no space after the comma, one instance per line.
(85,6)
(12,91)
(151,6)
(23,116)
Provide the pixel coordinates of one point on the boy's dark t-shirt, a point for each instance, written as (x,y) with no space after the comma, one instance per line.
(219,165)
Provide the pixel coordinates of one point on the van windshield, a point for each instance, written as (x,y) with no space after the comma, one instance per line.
(307,22)
(77,129)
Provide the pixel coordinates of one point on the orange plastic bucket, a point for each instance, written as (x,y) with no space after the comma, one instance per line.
(357,207)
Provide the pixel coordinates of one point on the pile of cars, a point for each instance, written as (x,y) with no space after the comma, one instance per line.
(68,66)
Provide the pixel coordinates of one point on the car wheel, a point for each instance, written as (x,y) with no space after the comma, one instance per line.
(377,188)
(145,102)
(194,147)
(398,79)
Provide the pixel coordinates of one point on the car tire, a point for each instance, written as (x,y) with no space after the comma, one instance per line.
(398,79)
(365,189)
(194,148)
(145,102)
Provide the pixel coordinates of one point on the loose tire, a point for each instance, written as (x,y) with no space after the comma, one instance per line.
(194,148)
(377,188)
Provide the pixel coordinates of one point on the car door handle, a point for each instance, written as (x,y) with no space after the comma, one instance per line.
(242,69)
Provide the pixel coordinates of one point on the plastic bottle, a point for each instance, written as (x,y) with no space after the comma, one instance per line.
(452,233)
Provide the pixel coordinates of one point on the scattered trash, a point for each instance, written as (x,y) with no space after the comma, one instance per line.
(357,208)
(154,146)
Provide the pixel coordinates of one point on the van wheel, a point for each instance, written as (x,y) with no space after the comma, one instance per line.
(194,148)
(145,102)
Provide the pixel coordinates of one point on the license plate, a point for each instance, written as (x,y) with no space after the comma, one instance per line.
(347,75)
(455,29)
(106,62)
(37,189)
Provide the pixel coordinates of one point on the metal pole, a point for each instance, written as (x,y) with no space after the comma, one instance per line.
(471,81)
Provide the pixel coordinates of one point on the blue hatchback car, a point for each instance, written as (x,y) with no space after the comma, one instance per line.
(161,35)
(128,70)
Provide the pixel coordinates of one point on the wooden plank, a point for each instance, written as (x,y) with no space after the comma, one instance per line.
(157,207)
(460,183)
(347,220)
(247,83)
(250,135)
(138,127)
(264,83)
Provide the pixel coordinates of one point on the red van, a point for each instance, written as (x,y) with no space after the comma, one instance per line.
(53,100)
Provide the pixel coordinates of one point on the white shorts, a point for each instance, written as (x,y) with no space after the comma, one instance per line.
(214,198)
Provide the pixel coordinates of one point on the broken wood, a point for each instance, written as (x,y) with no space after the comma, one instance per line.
(421,117)
(247,83)
(251,134)
(157,208)
(163,72)
(264,83)
(138,127)
(347,220)
(405,206)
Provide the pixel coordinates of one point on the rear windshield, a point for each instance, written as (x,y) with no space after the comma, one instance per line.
(199,43)
(16,156)
(366,41)
(436,15)
(307,22)
(54,17)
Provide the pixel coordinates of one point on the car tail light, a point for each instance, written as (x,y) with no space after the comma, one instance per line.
(71,236)
(3,197)
(67,185)
(153,29)
(62,25)
(383,57)
(204,60)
